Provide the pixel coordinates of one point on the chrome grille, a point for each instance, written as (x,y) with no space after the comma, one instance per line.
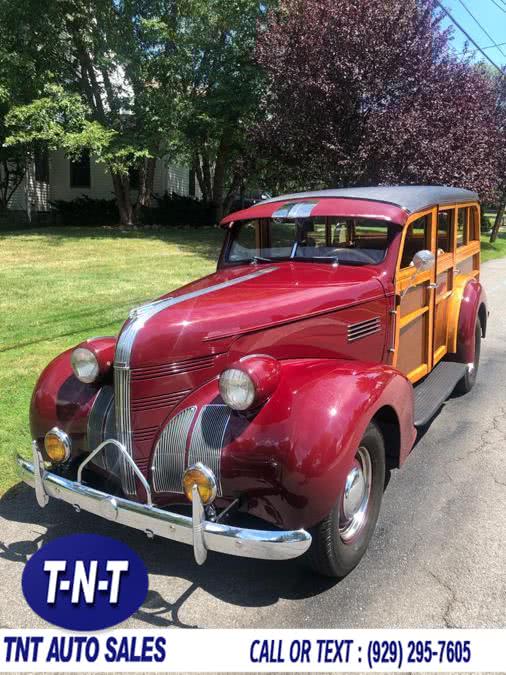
(170,451)
(102,425)
(124,425)
(362,329)
(207,438)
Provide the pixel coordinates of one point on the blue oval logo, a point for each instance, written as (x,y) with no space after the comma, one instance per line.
(85,582)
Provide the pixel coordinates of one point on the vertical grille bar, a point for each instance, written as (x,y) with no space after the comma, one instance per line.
(124,427)
(207,438)
(169,455)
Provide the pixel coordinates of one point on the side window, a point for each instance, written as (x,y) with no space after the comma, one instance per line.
(462,227)
(444,231)
(417,239)
(340,232)
(474,224)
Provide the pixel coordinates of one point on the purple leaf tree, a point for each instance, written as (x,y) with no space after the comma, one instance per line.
(368,92)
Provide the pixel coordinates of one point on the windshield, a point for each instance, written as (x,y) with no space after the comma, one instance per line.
(350,241)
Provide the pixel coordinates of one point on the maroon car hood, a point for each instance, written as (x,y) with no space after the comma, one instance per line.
(212,311)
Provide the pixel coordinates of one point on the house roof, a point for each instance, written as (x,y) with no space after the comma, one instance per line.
(393,203)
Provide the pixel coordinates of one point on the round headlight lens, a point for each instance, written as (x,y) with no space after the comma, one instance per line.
(237,389)
(57,445)
(85,365)
(204,479)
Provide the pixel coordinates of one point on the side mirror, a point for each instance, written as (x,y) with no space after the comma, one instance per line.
(424,260)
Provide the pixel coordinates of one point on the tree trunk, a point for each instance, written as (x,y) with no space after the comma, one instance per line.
(219,178)
(121,185)
(498,218)
(146,182)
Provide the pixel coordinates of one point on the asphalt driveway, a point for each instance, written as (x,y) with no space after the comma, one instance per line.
(437,559)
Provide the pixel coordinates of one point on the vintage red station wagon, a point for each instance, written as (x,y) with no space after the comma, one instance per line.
(278,391)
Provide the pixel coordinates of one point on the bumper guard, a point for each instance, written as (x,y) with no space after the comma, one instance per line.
(202,534)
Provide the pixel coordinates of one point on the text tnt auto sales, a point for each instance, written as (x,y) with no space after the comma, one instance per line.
(77,648)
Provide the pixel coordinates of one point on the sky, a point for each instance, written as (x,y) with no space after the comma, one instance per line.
(492,17)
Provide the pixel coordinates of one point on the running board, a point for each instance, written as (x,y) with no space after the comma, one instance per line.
(433,391)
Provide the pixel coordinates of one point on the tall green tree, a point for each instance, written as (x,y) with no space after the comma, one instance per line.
(156,77)
(94,50)
(207,60)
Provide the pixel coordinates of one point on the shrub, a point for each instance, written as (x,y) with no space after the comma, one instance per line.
(87,211)
(173,209)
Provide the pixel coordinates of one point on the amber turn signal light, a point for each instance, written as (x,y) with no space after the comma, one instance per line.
(204,479)
(57,445)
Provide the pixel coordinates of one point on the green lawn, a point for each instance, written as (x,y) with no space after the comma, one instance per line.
(59,286)
(496,250)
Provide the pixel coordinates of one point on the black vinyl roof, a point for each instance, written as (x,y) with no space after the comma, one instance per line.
(411,198)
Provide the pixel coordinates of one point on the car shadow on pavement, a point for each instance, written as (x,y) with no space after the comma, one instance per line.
(238,581)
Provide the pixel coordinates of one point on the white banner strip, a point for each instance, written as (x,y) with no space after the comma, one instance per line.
(254,651)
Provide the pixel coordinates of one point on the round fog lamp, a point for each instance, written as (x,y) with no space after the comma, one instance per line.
(204,479)
(57,445)
(85,365)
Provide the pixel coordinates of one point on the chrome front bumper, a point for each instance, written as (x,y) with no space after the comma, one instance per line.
(196,531)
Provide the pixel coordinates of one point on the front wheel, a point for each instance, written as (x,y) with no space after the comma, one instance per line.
(340,540)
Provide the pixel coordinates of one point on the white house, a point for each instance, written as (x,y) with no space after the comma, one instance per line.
(53,176)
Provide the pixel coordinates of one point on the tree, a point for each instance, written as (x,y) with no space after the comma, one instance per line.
(501,159)
(207,50)
(368,91)
(93,51)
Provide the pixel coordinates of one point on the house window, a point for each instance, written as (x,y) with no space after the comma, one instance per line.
(41,160)
(80,174)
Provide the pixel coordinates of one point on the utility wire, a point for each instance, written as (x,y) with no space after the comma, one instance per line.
(498,6)
(501,44)
(494,44)
(454,21)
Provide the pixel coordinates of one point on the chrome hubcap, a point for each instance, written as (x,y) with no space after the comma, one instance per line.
(355,502)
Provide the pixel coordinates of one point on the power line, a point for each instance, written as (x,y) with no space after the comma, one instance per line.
(498,6)
(501,44)
(480,26)
(454,21)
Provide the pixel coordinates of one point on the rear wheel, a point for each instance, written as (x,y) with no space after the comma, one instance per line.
(340,540)
(467,382)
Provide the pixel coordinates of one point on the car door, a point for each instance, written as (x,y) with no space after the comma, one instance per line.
(414,299)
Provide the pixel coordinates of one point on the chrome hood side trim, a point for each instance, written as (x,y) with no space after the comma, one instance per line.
(136,321)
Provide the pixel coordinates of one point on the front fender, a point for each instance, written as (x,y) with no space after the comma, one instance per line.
(288,462)
(60,399)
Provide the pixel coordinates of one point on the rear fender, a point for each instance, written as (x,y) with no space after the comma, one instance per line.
(469,301)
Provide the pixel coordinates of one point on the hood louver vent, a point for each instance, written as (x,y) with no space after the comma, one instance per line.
(363,328)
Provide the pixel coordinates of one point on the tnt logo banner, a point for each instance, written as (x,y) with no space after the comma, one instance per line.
(85,582)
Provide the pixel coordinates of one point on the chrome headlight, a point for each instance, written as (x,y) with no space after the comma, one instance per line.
(237,389)
(85,365)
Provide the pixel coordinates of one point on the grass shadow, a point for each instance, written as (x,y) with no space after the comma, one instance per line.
(203,241)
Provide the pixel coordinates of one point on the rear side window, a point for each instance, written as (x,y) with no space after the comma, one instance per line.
(462,226)
(444,231)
